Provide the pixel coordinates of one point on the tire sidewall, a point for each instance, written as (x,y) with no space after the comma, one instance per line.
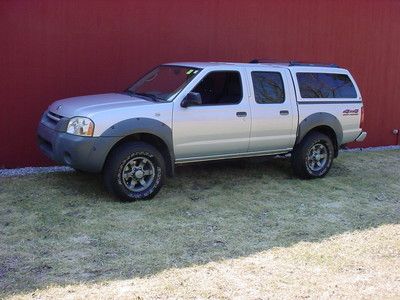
(155,185)
(120,157)
(311,141)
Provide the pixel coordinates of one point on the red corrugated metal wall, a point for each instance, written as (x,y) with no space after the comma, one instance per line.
(56,49)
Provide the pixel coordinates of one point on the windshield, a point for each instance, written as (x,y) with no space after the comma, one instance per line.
(164,82)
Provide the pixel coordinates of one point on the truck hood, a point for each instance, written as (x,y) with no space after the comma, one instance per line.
(92,104)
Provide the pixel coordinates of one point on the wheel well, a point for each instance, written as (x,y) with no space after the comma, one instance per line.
(153,140)
(329,132)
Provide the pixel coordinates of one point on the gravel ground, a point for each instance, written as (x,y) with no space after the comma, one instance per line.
(394,147)
(59,169)
(33,170)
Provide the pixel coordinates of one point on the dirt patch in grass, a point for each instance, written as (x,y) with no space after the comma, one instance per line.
(239,228)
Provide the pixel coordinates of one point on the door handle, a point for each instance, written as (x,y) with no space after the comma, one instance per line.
(284,112)
(241,114)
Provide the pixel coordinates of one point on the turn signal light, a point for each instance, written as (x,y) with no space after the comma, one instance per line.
(362,117)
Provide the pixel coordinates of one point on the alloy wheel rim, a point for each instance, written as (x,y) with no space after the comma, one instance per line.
(317,157)
(138,174)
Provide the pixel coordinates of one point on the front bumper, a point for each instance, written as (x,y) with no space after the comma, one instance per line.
(82,153)
(361,136)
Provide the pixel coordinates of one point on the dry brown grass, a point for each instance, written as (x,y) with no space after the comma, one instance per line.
(362,264)
(238,229)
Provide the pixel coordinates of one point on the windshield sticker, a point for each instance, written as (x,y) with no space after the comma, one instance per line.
(195,72)
(189,72)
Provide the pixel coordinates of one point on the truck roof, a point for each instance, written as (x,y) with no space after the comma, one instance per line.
(287,65)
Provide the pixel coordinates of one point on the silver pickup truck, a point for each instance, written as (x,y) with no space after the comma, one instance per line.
(189,112)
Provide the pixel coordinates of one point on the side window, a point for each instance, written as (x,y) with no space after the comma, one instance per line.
(220,87)
(325,85)
(268,87)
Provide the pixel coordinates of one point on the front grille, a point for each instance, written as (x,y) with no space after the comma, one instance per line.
(56,118)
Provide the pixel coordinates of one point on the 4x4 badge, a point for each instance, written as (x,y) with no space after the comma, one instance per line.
(350,112)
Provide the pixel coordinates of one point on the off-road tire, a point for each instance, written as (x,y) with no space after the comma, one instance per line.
(117,163)
(302,156)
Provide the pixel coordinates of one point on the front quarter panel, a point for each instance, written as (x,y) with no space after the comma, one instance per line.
(140,125)
(104,120)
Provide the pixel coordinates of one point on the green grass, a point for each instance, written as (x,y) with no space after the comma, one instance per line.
(63,229)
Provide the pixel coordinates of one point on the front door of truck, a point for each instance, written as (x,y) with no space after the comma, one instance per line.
(219,125)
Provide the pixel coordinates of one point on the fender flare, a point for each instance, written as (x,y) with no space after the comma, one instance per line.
(320,119)
(154,127)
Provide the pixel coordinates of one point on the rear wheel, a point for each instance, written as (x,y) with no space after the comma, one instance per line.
(313,156)
(134,171)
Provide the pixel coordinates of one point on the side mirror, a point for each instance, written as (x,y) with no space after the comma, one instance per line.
(191,99)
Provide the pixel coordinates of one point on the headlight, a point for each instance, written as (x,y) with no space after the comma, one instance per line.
(80,126)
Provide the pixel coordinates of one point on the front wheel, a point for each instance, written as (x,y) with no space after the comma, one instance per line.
(134,171)
(313,156)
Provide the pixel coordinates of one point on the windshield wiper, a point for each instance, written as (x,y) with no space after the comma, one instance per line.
(151,96)
(145,96)
(141,95)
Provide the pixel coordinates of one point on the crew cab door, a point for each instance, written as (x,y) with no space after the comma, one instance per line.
(274,109)
(220,125)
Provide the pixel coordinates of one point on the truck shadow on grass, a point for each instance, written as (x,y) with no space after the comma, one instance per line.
(64,228)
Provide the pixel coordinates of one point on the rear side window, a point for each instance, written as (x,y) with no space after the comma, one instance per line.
(268,87)
(325,85)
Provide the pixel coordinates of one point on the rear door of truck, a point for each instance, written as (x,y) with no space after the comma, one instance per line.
(273,109)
